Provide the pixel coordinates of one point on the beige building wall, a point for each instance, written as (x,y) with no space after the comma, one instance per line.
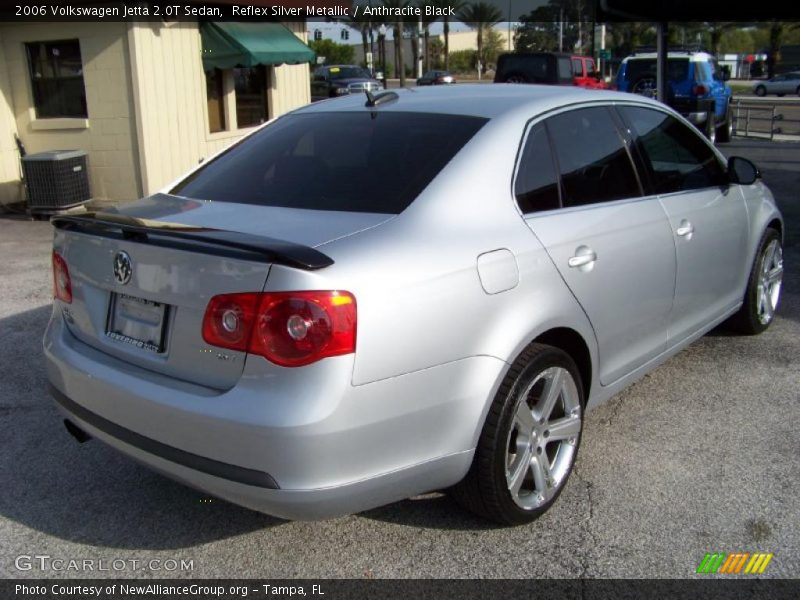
(10,187)
(146,102)
(108,132)
(170,99)
(468,40)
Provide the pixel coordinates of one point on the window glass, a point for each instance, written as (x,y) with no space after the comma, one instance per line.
(592,159)
(350,161)
(577,67)
(677,69)
(702,71)
(349,73)
(56,74)
(564,69)
(536,187)
(215,98)
(678,157)
(251,96)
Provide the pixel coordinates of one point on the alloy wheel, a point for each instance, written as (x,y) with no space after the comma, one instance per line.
(543,439)
(770,280)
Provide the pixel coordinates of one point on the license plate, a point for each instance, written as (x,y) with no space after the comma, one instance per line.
(137,322)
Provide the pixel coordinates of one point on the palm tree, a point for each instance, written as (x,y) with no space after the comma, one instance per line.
(480,16)
(457,6)
(398,37)
(426,31)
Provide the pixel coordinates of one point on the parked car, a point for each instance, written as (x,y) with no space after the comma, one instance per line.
(585,73)
(347,308)
(331,81)
(535,67)
(697,88)
(436,78)
(786,83)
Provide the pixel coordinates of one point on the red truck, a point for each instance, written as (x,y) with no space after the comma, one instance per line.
(585,73)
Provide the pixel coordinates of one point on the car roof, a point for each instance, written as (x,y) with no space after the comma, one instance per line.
(692,56)
(490,100)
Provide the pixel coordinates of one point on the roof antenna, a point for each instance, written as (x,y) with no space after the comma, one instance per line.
(370,98)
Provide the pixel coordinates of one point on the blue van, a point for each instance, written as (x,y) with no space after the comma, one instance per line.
(697,88)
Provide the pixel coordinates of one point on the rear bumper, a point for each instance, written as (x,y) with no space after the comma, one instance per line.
(312,446)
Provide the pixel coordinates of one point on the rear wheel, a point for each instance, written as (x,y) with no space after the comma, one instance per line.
(725,131)
(763,287)
(645,86)
(711,127)
(514,78)
(798,90)
(761,91)
(529,441)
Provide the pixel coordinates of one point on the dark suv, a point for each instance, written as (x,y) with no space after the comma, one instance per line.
(535,67)
(331,81)
(697,88)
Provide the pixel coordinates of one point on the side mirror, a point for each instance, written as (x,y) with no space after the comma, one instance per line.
(742,171)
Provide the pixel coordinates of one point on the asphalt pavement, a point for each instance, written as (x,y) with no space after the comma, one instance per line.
(699,456)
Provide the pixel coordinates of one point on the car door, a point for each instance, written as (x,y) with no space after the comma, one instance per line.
(707,216)
(612,246)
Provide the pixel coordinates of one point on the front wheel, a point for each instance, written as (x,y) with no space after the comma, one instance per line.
(761,91)
(763,287)
(529,441)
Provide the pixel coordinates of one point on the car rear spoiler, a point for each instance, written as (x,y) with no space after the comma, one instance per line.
(197,239)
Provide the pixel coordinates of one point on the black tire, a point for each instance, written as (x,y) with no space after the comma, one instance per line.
(747,320)
(645,85)
(485,490)
(725,131)
(798,90)
(515,78)
(761,91)
(780,95)
(711,127)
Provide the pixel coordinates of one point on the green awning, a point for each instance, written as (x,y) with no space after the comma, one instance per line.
(228,45)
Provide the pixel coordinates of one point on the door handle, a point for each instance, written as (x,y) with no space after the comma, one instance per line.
(581,260)
(685,229)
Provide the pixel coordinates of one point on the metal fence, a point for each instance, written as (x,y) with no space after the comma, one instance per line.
(766,119)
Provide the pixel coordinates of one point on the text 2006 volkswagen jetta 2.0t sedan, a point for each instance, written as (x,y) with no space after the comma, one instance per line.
(375,297)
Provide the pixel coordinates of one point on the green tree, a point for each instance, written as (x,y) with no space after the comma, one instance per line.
(480,16)
(492,47)
(335,54)
(445,6)
(463,61)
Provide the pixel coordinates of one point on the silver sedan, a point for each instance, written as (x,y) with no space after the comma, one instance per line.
(382,295)
(787,83)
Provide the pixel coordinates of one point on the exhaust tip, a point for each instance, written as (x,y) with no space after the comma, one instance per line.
(79,434)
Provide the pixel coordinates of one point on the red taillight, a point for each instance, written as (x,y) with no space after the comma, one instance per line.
(291,329)
(699,90)
(62,285)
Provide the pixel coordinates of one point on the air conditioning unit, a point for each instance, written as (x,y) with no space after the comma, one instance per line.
(56,180)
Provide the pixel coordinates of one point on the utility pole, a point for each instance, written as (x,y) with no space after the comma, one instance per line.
(561,29)
(420,48)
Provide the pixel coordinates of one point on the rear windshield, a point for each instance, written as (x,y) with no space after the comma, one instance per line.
(350,161)
(677,68)
(349,73)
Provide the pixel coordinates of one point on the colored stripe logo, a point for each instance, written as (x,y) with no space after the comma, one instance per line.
(734,563)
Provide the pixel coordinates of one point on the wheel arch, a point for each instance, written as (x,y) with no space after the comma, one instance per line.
(571,342)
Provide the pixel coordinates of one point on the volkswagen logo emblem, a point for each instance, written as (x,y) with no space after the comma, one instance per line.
(123,268)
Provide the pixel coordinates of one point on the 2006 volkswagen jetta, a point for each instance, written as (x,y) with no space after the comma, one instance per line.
(375,297)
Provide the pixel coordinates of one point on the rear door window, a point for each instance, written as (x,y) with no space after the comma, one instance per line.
(349,161)
(536,186)
(593,161)
(678,158)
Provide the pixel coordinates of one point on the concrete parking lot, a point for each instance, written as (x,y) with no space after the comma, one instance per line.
(702,455)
